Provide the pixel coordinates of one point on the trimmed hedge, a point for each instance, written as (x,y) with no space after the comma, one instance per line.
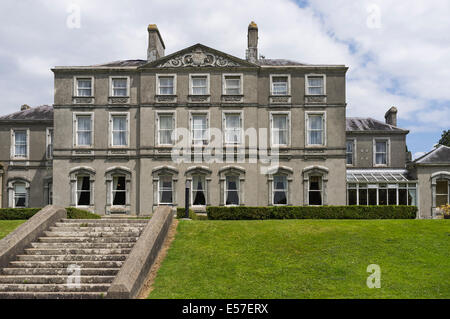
(27,213)
(192,214)
(75,213)
(314,212)
(17,213)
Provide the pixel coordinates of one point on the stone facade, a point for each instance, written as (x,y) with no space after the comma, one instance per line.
(277,131)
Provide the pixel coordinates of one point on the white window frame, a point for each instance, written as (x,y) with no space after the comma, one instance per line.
(208,133)
(241,89)
(13,144)
(324,128)
(388,150)
(271,115)
(354,154)
(91,193)
(159,189)
(205,190)
(316,75)
(75,128)
(443,194)
(174,75)
(111,139)
(315,190)
(75,85)
(191,84)
(111,89)
(238,190)
(231,112)
(47,142)
(288,84)
(112,191)
(285,190)
(26,195)
(158,123)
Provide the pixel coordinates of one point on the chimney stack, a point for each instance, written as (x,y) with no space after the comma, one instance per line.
(252,40)
(25,107)
(391,116)
(156,45)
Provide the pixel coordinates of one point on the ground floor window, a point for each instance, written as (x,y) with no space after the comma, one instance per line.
(198,190)
(232,190)
(381,194)
(441,192)
(165,189)
(20,195)
(83,190)
(119,191)
(279,190)
(315,190)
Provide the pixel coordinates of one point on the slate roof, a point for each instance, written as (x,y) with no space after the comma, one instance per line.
(439,155)
(357,124)
(122,63)
(278,62)
(39,113)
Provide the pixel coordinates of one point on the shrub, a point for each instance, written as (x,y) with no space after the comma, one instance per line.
(17,213)
(27,213)
(314,212)
(192,214)
(76,213)
(445,211)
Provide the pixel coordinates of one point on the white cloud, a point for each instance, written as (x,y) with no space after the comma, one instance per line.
(402,63)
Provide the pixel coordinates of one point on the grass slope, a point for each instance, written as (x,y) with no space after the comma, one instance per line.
(306,259)
(7,226)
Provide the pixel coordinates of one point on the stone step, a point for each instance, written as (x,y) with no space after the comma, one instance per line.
(88,233)
(71,245)
(88,239)
(52,295)
(119,229)
(104,224)
(65,264)
(101,221)
(58,271)
(72,258)
(55,279)
(53,288)
(77,251)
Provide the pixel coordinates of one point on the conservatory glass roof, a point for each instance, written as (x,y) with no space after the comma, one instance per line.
(377,176)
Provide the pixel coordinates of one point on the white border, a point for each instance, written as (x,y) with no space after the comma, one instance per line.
(75,85)
(110,129)
(324,83)
(224,83)
(13,142)
(174,75)
(288,84)
(74,129)
(208,86)
(324,141)
(388,149)
(271,114)
(157,123)
(111,77)
(241,114)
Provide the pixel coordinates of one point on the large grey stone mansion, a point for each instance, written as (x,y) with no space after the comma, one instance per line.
(107,144)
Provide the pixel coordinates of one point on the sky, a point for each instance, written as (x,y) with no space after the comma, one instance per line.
(398,52)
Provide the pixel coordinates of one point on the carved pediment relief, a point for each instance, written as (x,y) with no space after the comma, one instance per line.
(198,57)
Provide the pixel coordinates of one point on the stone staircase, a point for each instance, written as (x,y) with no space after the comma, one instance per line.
(93,248)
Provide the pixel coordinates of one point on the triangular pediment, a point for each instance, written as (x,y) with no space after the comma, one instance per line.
(198,55)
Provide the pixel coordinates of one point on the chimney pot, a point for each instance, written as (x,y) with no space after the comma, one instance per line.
(25,107)
(156,45)
(252,41)
(391,116)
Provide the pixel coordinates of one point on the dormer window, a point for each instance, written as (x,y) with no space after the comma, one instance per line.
(119,86)
(232,84)
(315,84)
(83,86)
(166,85)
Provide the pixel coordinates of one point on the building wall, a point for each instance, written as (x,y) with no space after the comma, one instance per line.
(37,170)
(143,155)
(365,149)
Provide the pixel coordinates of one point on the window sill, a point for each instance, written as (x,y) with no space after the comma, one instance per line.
(193,98)
(232,98)
(162,98)
(83,99)
(319,98)
(119,100)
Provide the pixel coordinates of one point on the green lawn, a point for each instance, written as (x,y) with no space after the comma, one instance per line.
(7,226)
(306,259)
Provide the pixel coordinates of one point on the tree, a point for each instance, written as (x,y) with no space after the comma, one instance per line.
(445,138)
